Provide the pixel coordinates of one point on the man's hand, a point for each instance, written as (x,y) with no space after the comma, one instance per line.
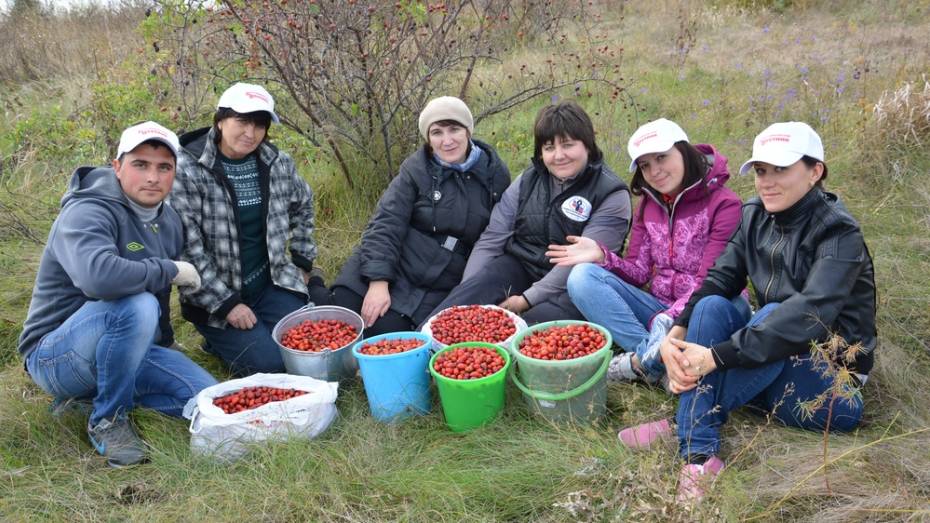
(241,317)
(579,250)
(187,275)
(515,304)
(377,302)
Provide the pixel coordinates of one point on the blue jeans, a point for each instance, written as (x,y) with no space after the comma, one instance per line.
(105,351)
(248,351)
(778,387)
(623,309)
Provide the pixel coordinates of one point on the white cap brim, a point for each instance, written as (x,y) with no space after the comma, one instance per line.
(657,147)
(782,159)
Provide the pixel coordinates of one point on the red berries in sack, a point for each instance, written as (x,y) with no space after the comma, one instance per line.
(562,343)
(468,363)
(252,397)
(388,346)
(472,323)
(314,336)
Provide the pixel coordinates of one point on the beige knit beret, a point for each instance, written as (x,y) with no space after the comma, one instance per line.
(445,108)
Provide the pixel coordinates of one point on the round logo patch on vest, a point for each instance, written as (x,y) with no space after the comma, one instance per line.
(437,196)
(577,209)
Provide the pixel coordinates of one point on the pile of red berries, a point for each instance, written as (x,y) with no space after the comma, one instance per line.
(472,323)
(562,343)
(386,346)
(468,363)
(314,336)
(253,397)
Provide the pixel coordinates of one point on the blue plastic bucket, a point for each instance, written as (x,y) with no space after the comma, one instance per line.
(397,385)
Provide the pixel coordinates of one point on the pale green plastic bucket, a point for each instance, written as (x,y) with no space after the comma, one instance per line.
(558,376)
(585,403)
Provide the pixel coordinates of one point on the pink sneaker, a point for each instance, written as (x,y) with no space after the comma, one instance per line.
(643,436)
(695,480)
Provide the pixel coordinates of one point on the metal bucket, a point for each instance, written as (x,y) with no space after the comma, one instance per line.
(329,365)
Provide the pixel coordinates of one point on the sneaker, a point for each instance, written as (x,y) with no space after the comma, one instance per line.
(694,480)
(62,406)
(620,368)
(643,436)
(116,440)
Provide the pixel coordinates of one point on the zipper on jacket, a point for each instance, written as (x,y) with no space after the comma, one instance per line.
(768,286)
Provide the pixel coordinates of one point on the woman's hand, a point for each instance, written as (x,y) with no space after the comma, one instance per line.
(579,250)
(673,358)
(377,301)
(241,317)
(516,304)
(697,360)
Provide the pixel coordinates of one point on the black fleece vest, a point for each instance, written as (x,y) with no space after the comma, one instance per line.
(543,219)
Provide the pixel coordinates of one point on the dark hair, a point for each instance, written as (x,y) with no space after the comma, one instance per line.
(155,144)
(568,120)
(259,118)
(695,168)
(445,123)
(811,162)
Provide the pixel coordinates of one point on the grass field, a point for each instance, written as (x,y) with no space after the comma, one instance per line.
(836,65)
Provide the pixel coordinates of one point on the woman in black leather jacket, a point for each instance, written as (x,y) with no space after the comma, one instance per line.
(415,246)
(813,278)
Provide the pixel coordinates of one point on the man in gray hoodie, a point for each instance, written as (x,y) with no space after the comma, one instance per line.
(97,327)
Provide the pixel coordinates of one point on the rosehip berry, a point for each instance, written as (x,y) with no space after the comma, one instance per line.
(563,343)
(388,346)
(472,323)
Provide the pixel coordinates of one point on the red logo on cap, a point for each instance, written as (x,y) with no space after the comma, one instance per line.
(775,138)
(159,132)
(645,137)
(260,96)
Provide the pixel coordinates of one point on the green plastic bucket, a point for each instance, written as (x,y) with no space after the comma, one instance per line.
(584,404)
(468,404)
(557,376)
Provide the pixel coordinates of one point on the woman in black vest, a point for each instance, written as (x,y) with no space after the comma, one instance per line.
(567,191)
(415,246)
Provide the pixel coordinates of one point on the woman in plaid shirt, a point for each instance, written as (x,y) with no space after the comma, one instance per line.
(244,207)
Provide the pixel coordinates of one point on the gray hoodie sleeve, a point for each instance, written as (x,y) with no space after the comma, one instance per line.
(85,245)
(499,230)
(608,225)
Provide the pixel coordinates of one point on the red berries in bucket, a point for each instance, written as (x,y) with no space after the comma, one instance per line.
(317,335)
(472,323)
(253,397)
(468,363)
(384,347)
(562,342)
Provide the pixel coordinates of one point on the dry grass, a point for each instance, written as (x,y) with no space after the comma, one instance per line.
(61,44)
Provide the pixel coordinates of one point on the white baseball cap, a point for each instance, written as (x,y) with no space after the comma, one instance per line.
(654,137)
(781,144)
(143,132)
(248,98)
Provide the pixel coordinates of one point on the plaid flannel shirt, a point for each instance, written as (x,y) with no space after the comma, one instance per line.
(212,238)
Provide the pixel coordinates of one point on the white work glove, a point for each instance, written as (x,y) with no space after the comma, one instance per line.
(187,275)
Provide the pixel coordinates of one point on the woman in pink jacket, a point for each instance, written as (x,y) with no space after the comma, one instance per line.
(685,217)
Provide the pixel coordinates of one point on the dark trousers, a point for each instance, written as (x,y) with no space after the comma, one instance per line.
(392,321)
(502,277)
(248,351)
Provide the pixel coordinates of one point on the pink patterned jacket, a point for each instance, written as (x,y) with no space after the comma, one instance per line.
(673,250)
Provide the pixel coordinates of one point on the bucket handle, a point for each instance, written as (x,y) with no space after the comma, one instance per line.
(562,396)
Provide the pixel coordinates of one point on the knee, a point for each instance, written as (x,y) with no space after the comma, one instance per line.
(142,310)
(583,279)
(712,305)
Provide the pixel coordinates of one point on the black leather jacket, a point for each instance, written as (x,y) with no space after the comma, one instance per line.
(810,258)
